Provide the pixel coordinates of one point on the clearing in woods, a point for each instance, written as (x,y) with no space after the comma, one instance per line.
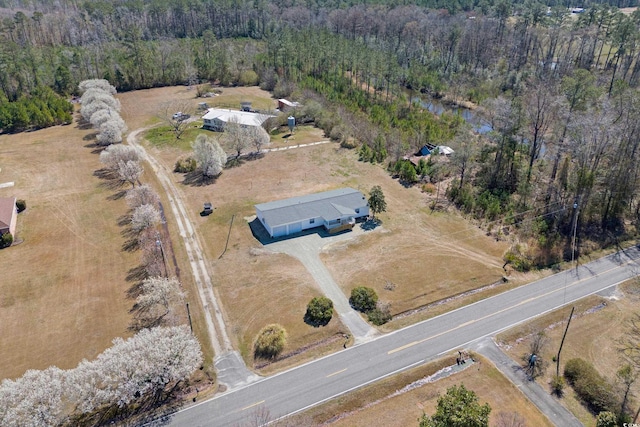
(427,256)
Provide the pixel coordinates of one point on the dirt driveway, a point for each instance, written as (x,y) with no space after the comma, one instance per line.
(306,248)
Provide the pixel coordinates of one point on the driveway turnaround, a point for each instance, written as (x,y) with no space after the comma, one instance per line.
(306,248)
(547,404)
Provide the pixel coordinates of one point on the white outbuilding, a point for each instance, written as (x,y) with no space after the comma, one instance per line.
(335,210)
(217,118)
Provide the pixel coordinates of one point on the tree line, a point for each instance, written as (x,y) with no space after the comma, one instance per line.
(558,90)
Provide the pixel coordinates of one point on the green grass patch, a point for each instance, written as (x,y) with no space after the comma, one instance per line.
(163,136)
(233,101)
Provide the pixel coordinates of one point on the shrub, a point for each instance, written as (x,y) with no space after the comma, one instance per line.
(319,311)
(381,314)
(21,205)
(6,240)
(589,385)
(248,78)
(363,299)
(575,368)
(270,341)
(185,165)
(557,386)
(606,419)
(349,143)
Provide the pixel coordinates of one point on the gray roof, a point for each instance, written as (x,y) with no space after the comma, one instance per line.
(329,205)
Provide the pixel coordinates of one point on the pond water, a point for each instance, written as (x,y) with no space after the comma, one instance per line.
(477,123)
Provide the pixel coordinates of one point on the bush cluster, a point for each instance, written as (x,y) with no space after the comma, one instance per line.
(6,240)
(21,205)
(270,341)
(319,311)
(366,301)
(589,385)
(185,165)
(363,299)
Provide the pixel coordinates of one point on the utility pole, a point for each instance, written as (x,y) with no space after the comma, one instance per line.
(164,259)
(189,314)
(576,212)
(562,343)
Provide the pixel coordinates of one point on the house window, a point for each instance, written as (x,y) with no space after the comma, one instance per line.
(312,221)
(358,210)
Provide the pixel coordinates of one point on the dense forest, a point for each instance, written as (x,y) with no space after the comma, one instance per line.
(558,90)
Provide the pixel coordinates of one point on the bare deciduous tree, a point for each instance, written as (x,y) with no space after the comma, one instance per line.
(235,136)
(258,137)
(175,114)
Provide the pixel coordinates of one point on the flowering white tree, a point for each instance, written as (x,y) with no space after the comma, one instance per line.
(110,132)
(35,399)
(258,137)
(144,216)
(209,156)
(157,294)
(130,171)
(101,116)
(141,195)
(100,108)
(97,83)
(88,110)
(96,94)
(235,136)
(147,365)
(114,154)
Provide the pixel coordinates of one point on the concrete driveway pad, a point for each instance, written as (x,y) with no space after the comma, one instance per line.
(306,248)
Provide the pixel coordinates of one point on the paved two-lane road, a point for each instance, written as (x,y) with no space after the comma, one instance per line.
(315,382)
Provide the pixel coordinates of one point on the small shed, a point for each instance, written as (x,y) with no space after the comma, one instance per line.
(424,151)
(444,150)
(286,105)
(8,215)
(245,106)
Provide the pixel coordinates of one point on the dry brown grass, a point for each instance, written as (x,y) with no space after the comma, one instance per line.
(405,409)
(63,290)
(593,336)
(429,256)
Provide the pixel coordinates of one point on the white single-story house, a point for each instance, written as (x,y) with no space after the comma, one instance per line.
(334,210)
(8,215)
(216,118)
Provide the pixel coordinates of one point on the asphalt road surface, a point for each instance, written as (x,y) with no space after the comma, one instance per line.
(326,378)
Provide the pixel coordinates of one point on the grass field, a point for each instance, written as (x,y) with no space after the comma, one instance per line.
(63,290)
(428,256)
(380,404)
(594,335)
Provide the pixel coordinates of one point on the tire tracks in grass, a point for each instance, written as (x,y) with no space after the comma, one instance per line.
(201,275)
